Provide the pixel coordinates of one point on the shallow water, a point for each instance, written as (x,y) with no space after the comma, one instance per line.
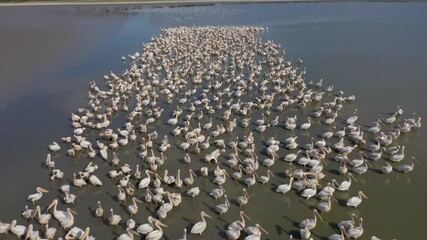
(375,51)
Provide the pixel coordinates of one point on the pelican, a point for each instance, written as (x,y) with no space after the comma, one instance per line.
(114,219)
(192,192)
(356,232)
(239,224)
(284,188)
(243,200)
(94,180)
(146,227)
(59,215)
(307,125)
(129,235)
(325,206)
(405,168)
(43,219)
(304,233)
(347,224)
(49,232)
(99,212)
(265,179)
(156,234)
(217,192)
(78,182)
(250,181)
(133,208)
(355,201)
(145,182)
(68,222)
(78,233)
(255,232)
(386,168)
(398,157)
(342,236)
(223,208)
(54,147)
(345,185)
(18,230)
(311,222)
(190,180)
(36,196)
(200,227)
(27,213)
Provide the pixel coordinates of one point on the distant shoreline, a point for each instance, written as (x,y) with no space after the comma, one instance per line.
(201,2)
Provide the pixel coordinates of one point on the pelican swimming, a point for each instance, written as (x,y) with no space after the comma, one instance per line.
(54,147)
(356,232)
(200,227)
(78,234)
(146,227)
(398,157)
(17,230)
(311,222)
(355,201)
(243,200)
(36,196)
(99,212)
(68,222)
(223,208)
(345,185)
(114,219)
(129,235)
(59,215)
(42,218)
(284,188)
(405,168)
(133,208)
(156,234)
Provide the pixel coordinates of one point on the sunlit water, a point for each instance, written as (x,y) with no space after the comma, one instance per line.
(375,51)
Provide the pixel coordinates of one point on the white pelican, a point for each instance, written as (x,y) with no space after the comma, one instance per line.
(69,197)
(36,196)
(223,207)
(133,208)
(78,182)
(250,181)
(146,227)
(243,200)
(355,201)
(284,188)
(156,234)
(311,222)
(217,192)
(27,213)
(255,232)
(239,224)
(114,219)
(78,234)
(265,179)
(99,212)
(59,215)
(398,157)
(356,232)
(304,233)
(200,227)
(50,232)
(18,230)
(190,180)
(145,182)
(94,180)
(345,185)
(405,168)
(54,147)
(347,224)
(342,236)
(129,235)
(306,125)
(68,222)
(43,219)
(192,192)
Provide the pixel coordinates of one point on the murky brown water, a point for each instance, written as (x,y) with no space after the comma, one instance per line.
(375,51)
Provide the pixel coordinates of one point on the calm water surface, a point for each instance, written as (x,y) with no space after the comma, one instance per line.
(375,51)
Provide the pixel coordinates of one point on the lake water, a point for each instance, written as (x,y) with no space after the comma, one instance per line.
(375,51)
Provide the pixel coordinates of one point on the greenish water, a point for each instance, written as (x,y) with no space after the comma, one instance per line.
(375,51)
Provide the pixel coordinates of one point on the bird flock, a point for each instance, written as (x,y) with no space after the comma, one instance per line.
(223,101)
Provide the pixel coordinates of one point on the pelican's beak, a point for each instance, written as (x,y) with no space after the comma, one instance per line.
(72,211)
(134,232)
(363,195)
(138,201)
(207,215)
(333,198)
(162,224)
(244,214)
(415,160)
(263,230)
(51,205)
(351,175)
(368,163)
(44,190)
(317,213)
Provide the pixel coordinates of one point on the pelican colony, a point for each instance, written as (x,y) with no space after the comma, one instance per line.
(233,109)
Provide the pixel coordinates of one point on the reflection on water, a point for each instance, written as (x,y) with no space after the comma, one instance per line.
(375,51)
